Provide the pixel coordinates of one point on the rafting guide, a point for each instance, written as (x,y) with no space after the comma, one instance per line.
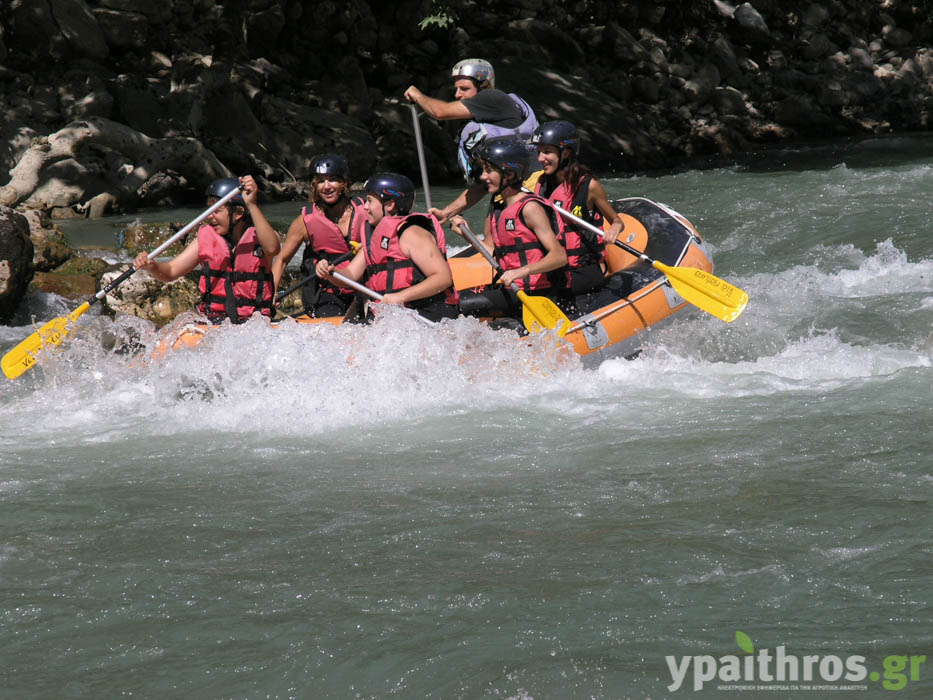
(778,670)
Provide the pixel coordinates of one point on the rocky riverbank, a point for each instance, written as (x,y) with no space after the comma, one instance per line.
(109,105)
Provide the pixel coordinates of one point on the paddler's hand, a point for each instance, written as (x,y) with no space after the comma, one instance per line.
(456,222)
(323,269)
(509,276)
(142,262)
(392,298)
(412,94)
(442,215)
(612,234)
(250,190)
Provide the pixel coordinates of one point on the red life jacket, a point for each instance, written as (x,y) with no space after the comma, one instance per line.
(235,282)
(388,269)
(583,246)
(516,245)
(324,239)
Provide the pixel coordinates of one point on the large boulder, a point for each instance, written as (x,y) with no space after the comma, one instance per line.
(49,244)
(16,268)
(75,278)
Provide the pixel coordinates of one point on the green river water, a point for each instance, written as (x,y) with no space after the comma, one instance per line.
(412,512)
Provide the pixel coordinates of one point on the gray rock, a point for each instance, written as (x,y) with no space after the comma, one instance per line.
(747,17)
(16,266)
(815,16)
(145,297)
(833,95)
(896,37)
(798,110)
(818,46)
(723,55)
(122,29)
(48,242)
(34,28)
(79,27)
(728,100)
(647,88)
(861,58)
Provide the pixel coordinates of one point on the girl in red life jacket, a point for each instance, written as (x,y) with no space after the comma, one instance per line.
(327,228)
(403,255)
(235,250)
(522,232)
(570,184)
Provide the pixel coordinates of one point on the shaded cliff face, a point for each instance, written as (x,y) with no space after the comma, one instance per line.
(164,95)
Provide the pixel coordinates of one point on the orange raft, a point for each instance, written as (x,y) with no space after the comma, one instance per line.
(614,320)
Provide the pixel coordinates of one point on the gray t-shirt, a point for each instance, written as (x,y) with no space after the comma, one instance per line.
(495,107)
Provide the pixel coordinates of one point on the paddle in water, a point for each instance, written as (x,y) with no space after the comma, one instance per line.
(699,287)
(22,357)
(538,313)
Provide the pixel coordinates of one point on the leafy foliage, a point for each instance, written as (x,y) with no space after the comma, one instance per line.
(443,15)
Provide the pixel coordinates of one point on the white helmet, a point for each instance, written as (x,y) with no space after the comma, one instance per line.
(478,69)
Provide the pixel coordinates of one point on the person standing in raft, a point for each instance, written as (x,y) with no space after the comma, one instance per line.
(328,227)
(571,185)
(235,250)
(491,113)
(403,255)
(522,232)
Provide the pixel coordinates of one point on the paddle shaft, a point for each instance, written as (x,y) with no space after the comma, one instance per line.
(476,243)
(353,284)
(302,282)
(362,288)
(181,233)
(424,168)
(23,356)
(602,234)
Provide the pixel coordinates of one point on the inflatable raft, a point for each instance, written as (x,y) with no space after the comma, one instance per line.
(637,296)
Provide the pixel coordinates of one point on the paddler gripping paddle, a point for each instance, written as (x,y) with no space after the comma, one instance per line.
(353,284)
(538,313)
(354,246)
(23,356)
(700,288)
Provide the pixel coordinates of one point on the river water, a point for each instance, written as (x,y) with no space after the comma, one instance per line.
(405,511)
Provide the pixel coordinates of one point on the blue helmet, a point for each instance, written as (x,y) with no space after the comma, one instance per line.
(507,154)
(561,134)
(394,187)
(220,188)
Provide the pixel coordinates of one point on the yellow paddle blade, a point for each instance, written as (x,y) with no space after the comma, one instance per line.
(23,356)
(540,314)
(706,291)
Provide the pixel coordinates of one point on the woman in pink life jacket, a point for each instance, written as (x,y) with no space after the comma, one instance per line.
(569,184)
(403,254)
(235,249)
(328,228)
(522,232)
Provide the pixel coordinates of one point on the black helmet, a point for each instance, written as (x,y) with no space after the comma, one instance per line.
(394,187)
(506,153)
(331,164)
(560,134)
(220,188)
